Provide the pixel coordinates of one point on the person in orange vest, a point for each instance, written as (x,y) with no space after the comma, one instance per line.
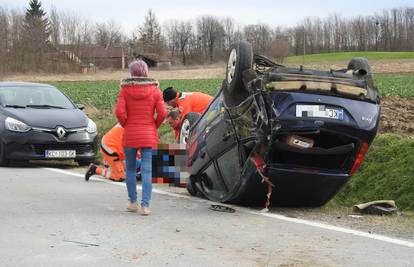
(173,119)
(186,102)
(113,156)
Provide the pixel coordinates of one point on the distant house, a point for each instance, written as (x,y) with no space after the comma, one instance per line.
(155,60)
(92,55)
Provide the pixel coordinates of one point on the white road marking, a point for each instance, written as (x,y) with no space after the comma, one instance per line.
(269,215)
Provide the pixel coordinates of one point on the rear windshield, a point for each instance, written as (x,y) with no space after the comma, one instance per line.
(32,96)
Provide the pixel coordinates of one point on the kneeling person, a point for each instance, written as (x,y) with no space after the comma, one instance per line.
(113,157)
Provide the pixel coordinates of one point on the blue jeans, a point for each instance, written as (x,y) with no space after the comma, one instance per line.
(146,174)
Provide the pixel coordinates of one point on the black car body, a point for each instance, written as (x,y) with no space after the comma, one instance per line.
(309,128)
(39,122)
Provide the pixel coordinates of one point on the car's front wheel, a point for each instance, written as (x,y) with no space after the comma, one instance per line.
(188,121)
(3,160)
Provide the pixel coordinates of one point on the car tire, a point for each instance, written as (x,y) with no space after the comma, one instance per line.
(4,162)
(240,59)
(361,64)
(188,121)
(191,188)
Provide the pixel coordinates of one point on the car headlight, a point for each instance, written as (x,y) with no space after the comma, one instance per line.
(16,125)
(91,127)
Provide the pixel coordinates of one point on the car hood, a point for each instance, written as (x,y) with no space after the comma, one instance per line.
(49,118)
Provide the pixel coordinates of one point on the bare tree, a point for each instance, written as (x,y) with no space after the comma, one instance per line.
(184,33)
(54,26)
(229,32)
(170,29)
(108,34)
(210,31)
(4,36)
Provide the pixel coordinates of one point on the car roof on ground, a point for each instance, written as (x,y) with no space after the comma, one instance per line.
(23,84)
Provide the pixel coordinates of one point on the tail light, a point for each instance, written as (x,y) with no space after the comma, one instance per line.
(360,158)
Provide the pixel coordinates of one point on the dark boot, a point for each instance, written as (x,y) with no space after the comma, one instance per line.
(91,171)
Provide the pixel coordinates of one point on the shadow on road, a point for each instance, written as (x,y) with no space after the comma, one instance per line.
(66,164)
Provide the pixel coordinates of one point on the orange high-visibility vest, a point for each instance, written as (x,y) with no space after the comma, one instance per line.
(113,154)
(111,142)
(192,102)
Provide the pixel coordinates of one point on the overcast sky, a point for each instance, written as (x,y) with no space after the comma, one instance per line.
(130,13)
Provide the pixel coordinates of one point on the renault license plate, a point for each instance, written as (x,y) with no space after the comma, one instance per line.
(60,154)
(319,111)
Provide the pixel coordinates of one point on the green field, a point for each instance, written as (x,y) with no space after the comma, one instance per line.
(387,172)
(103,94)
(395,84)
(345,56)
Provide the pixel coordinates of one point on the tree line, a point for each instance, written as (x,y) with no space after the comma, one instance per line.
(30,40)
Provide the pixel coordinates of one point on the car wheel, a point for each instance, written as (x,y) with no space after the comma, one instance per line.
(188,121)
(191,188)
(85,162)
(240,59)
(363,68)
(3,160)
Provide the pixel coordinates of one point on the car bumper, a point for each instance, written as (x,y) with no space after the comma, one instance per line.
(32,145)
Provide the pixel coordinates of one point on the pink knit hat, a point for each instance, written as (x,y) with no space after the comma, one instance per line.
(138,68)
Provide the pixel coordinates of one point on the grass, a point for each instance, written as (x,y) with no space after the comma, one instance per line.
(395,84)
(387,173)
(345,56)
(103,94)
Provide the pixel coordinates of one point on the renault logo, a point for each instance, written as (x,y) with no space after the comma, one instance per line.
(60,132)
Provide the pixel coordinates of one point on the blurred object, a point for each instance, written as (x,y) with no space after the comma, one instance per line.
(378,207)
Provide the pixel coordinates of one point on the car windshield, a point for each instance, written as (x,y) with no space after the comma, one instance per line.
(33,97)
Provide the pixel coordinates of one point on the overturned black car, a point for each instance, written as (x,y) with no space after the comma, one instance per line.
(292,133)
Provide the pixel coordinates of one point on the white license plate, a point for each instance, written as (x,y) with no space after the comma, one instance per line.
(319,111)
(60,154)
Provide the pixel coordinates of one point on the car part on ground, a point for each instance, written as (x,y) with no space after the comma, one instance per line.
(378,207)
(222,208)
(332,117)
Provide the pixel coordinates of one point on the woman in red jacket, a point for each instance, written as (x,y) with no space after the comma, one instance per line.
(139,100)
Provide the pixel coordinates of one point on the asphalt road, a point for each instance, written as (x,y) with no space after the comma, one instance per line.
(50,217)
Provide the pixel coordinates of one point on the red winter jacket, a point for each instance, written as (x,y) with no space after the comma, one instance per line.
(138,100)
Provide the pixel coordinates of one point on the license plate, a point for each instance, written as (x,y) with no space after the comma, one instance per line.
(319,111)
(60,154)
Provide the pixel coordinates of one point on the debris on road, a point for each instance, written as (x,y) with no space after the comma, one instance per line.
(82,243)
(222,208)
(378,207)
(355,216)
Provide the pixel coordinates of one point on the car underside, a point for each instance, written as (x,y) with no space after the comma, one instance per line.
(291,136)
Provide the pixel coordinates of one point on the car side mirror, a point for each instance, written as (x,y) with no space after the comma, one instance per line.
(80,106)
